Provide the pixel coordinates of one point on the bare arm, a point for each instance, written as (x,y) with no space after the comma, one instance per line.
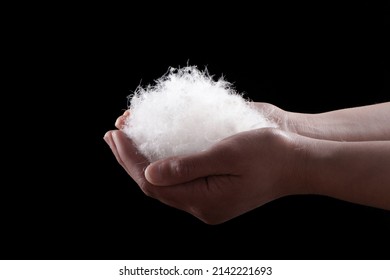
(366,123)
(358,172)
(249,169)
(343,154)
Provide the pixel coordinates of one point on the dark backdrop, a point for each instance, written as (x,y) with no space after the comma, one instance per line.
(69,199)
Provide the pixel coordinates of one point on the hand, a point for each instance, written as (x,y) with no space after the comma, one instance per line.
(234,176)
(249,169)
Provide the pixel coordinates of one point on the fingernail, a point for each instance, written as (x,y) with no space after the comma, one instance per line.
(153,173)
(147,174)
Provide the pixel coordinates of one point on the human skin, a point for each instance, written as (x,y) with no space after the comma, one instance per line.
(344,154)
(366,123)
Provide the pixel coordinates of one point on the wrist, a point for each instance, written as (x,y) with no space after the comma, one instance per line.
(295,178)
(309,125)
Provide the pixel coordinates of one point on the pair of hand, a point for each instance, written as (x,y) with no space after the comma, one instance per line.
(251,168)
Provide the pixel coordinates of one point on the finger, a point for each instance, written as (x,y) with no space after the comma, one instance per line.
(120,121)
(134,164)
(179,170)
(132,160)
(108,138)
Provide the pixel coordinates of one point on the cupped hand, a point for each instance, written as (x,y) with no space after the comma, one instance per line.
(234,176)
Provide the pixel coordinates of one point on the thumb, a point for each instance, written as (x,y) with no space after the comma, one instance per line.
(177,170)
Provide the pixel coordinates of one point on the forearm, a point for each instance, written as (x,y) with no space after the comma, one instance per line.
(358,172)
(367,123)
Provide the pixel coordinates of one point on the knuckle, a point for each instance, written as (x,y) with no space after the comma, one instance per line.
(182,169)
(229,156)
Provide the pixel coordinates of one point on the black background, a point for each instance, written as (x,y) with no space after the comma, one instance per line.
(67,198)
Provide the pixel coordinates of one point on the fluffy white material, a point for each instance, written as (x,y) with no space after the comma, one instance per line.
(186,112)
